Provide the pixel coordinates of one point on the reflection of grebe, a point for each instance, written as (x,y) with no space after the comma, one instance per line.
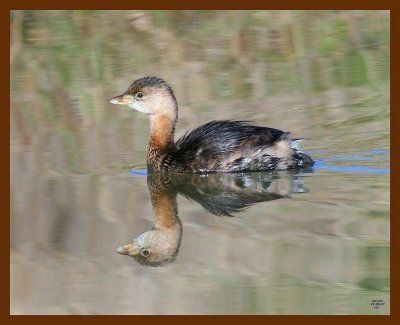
(160,244)
(222,146)
(221,194)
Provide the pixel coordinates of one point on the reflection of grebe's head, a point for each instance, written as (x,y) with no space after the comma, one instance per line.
(156,247)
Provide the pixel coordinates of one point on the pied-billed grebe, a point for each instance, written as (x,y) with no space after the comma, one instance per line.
(217,146)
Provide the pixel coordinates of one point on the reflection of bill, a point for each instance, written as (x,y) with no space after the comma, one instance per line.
(220,194)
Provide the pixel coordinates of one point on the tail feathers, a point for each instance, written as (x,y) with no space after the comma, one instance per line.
(302,158)
(295,144)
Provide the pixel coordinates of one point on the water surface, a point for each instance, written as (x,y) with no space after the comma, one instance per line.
(302,242)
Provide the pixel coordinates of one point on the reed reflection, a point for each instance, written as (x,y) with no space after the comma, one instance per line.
(220,194)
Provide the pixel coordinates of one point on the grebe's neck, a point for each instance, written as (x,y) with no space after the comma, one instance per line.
(162,131)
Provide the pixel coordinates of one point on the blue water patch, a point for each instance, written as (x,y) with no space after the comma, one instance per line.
(138,172)
(378,156)
(375,152)
(351,169)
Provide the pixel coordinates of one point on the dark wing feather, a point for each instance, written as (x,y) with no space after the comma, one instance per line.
(225,136)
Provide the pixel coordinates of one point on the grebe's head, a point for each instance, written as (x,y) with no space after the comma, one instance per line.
(150,95)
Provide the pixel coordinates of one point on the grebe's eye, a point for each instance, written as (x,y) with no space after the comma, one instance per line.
(145,252)
(139,95)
